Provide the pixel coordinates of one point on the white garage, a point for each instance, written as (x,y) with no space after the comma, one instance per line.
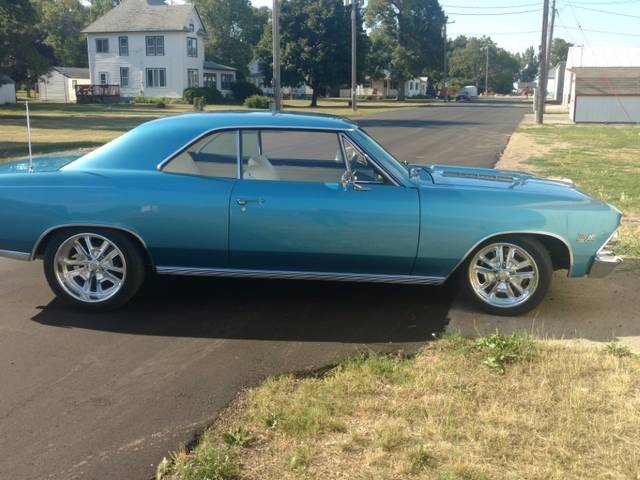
(7,90)
(59,85)
(605,95)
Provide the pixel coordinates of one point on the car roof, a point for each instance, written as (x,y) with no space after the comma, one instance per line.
(147,145)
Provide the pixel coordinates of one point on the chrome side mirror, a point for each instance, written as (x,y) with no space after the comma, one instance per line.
(351,178)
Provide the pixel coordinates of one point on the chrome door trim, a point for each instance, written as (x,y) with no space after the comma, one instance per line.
(32,256)
(517,232)
(15,255)
(300,275)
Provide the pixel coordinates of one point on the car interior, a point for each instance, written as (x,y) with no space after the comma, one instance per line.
(285,155)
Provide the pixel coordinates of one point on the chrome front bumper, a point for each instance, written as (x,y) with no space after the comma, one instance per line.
(604,263)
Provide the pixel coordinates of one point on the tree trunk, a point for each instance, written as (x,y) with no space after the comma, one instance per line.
(401,91)
(314,96)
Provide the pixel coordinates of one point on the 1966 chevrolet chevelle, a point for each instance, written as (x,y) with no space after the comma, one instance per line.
(256,194)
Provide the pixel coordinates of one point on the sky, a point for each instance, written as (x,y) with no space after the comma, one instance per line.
(575,21)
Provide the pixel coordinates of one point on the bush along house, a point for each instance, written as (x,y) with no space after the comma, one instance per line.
(149,48)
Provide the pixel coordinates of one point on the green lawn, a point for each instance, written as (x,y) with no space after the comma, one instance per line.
(494,408)
(58,127)
(604,161)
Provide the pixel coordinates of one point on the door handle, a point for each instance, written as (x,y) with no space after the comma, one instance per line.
(244,201)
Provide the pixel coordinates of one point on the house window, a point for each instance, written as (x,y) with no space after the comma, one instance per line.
(155,46)
(156,77)
(123,46)
(210,80)
(104,78)
(225,81)
(124,76)
(102,45)
(192,27)
(192,77)
(192,47)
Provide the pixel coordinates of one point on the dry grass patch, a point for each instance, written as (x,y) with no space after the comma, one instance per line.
(494,408)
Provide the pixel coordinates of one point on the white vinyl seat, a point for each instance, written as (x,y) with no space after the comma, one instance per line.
(260,168)
(183,164)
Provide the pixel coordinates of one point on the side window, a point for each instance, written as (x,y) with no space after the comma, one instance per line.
(213,156)
(294,156)
(359,165)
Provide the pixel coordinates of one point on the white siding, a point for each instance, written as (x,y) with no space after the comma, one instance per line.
(607,109)
(175,60)
(55,87)
(7,93)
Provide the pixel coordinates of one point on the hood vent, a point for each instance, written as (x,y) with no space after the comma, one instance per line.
(480,176)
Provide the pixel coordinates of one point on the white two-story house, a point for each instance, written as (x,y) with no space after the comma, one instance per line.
(153,49)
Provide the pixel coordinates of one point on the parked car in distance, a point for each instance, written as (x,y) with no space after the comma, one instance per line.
(467,93)
(256,194)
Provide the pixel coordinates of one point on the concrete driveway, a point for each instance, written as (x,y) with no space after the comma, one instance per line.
(107,396)
(591,311)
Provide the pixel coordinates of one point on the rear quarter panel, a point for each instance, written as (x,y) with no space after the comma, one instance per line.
(182,219)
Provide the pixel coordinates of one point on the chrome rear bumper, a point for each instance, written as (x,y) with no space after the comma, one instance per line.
(604,263)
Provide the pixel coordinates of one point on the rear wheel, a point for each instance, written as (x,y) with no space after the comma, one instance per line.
(508,276)
(95,269)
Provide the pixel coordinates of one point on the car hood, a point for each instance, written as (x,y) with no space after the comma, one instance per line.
(485,177)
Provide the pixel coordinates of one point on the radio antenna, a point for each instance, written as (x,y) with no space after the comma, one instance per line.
(29,133)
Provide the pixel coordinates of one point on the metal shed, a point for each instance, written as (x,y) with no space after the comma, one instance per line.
(605,95)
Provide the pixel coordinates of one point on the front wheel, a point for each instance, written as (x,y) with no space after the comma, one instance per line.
(94,269)
(508,276)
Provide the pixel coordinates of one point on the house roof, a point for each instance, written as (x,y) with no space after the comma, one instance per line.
(603,57)
(607,80)
(143,16)
(4,79)
(73,72)
(217,66)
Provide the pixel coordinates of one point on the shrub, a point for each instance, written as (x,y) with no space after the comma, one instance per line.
(257,101)
(157,100)
(242,89)
(211,94)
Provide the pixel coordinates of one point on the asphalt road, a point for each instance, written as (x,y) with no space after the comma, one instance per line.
(107,396)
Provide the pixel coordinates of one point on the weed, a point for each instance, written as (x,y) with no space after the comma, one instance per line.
(211,463)
(240,437)
(500,350)
(617,350)
(420,459)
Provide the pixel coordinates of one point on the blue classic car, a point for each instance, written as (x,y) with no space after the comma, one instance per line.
(256,194)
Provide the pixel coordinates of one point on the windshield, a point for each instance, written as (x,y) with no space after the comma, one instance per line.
(372,147)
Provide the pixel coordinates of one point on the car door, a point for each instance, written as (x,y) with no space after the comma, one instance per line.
(291,210)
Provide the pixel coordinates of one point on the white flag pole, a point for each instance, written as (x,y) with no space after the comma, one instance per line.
(29,133)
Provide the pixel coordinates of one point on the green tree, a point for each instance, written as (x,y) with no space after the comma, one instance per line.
(23,55)
(528,65)
(411,33)
(231,25)
(98,8)
(62,22)
(467,66)
(559,51)
(315,45)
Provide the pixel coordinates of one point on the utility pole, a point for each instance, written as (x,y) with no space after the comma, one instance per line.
(354,35)
(275,20)
(550,41)
(486,74)
(542,73)
(445,63)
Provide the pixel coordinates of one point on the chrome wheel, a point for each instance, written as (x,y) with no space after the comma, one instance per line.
(90,267)
(503,275)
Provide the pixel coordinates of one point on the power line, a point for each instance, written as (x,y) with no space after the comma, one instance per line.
(619,2)
(493,7)
(604,11)
(499,33)
(495,14)
(624,34)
